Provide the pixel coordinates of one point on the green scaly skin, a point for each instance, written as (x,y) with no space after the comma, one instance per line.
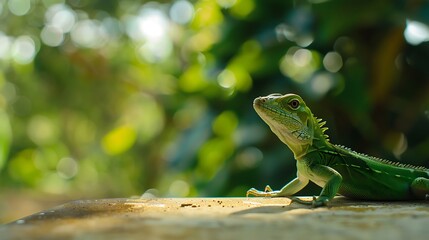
(337,169)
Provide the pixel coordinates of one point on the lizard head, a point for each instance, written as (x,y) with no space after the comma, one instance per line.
(290,119)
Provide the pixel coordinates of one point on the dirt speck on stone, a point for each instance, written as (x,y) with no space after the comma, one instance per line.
(185,204)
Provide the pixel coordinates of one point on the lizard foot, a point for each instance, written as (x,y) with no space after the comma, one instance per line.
(316,202)
(268,192)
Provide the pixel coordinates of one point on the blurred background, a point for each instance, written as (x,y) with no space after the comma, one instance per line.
(102,99)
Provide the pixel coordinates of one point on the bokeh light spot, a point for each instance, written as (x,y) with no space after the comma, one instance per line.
(242,8)
(290,33)
(156,51)
(89,34)
(225,123)
(41,130)
(182,12)
(67,167)
(179,188)
(226,3)
(226,79)
(150,25)
(321,83)
(151,30)
(299,64)
(416,32)
(19,7)
(150,193)
(52,36)
(302,57)
(332,62)
(5,45)
(119,140)
(23,50)
(61,17)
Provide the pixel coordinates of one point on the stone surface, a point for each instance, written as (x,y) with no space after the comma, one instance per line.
(223,218)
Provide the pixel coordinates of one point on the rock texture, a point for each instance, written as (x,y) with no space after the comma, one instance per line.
(223,218)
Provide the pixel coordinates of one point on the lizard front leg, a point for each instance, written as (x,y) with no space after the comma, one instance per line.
(333,182)
(289,189)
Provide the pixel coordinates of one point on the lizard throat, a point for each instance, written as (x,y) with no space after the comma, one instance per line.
(288,127)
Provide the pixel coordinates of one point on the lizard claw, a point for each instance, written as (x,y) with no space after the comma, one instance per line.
(268,188)
(320,201)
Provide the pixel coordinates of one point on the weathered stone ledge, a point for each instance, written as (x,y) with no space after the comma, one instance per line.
(223,218)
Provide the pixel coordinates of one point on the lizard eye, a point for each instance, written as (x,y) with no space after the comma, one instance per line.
(294,104)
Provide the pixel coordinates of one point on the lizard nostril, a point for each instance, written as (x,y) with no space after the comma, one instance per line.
(259,100)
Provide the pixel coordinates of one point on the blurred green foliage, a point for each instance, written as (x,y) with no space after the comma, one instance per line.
(111,98)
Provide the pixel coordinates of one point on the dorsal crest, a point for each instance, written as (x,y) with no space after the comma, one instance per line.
(322,127)
(384,161)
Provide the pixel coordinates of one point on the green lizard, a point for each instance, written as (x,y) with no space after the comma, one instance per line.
(335,168)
